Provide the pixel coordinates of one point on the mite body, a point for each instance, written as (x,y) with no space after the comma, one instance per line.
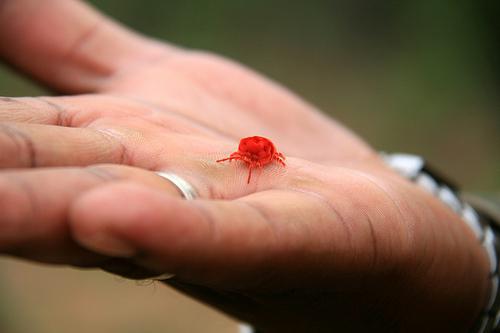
(256,152)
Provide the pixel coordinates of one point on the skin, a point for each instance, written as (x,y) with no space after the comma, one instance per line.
(370,250)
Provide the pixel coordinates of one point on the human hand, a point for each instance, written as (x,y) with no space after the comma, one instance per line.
(332,238)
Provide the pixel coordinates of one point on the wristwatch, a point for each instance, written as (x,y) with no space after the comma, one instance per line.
(482,216)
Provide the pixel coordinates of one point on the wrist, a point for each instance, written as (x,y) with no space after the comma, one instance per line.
(473,218)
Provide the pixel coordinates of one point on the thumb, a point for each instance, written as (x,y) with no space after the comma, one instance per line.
(66,44)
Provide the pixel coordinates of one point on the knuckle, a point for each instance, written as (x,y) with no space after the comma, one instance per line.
(121,153)
(18,148)
(12,109)
(58,113)
(46,110)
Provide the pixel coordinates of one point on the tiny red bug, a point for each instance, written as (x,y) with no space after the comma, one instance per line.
(256,152)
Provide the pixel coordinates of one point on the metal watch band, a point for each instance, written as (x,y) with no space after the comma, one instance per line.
(483,225)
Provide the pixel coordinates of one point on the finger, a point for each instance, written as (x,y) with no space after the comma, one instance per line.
(32,145)
(68,45)
(82,110)
(206,241)
(38,110)
(68,111)
(34,206)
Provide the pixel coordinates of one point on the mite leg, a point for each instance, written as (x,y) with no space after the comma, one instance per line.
(249,174)
(280,159)
(233,156)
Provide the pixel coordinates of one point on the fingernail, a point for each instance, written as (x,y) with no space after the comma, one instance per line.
(154,266)
(109,245)
(161,277)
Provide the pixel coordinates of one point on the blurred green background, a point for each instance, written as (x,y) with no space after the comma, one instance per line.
(414,76)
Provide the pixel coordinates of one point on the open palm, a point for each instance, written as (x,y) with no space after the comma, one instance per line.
(313,247)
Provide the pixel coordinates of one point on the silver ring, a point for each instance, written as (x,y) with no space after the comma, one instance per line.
(187,191)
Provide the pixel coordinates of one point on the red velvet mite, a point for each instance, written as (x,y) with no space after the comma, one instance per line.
(256,152)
